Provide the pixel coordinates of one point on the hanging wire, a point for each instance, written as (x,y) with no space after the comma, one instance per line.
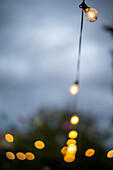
(79,51)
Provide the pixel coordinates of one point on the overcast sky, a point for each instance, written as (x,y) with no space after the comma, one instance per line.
(38,55)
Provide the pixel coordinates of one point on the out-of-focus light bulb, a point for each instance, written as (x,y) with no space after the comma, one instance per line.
(73,134)
(10,155)
(30,156)
(9,137)
(71,141)
(63,150)
(110,154)
(69,158)
(90,152)
(72,148)
(39,144)
(91,14)
(74,89)
(74,120)
(21,156)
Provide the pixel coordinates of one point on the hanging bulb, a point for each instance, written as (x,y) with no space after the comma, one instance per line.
(74,89)
(91,14)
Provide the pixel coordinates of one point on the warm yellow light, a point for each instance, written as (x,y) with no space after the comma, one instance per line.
(74,120)
(73,134)
(110,154)
(39,144)
(69,158)
(63,150)
(21,156)
(71,141)
(10,155)
(91,14)
(74,89)
(72,148)
(30,156)
(9,138)
(90,152)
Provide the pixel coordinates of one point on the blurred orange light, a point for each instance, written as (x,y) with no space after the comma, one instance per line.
(74,120)
(74,89)
(73,134)
(69,158)
(30,156)
(21,156)
(9,138)
(39,144)
(63,150)
(72,148)
(110,154)
(90,152)
(10,155)
(71,141)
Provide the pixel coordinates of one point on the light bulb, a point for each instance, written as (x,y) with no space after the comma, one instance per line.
(74,89)
(74,120)
(91,14)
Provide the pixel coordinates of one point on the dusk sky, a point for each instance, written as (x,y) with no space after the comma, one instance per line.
(38,55)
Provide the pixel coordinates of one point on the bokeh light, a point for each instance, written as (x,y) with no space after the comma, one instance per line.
(63,150)
(74,120)
(10,155)
(39,144)
(110,154)
(69,158)
(90,152)
(74,89)
(73,134)
(9,138)
(21,156)
(72,148)
(30,156)
(71,141)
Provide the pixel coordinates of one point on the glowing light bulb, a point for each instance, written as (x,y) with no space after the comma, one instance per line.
(63,150)
(21,156)
(73,134)
(10,155)
(91,14)
(74,89)
(9,138)
(74,120)
(39,144)
(69,158)
(90,152)
(71,141)
(110,154)
(72,148)
(30,156)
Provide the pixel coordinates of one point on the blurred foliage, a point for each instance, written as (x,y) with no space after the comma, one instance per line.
(52,127)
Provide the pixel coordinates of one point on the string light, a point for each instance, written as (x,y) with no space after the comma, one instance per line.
(29,156)
(10,155)
(110,154)
(90,152)
(69,151)
(91,14)
(39,144)
(74,89)
(74,120)
(21,156)
(73,134)
(9,138)
(71,141)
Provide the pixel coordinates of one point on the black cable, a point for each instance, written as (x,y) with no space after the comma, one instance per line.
(79,51)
